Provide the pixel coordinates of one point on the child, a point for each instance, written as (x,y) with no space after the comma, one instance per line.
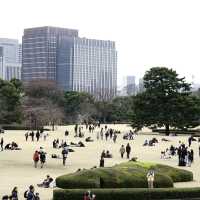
(37,196)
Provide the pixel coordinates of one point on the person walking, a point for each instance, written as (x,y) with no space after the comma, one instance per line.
(76,130)
(42,158)
(98,135)
(1,143)
(32,136)
(122,151)
(101,133)
(150,178)
(101,162)
(37,135)
(199,150)
(65,152)
(31,195)
(114,137)
(36,158)
(45,136)
(14,195)
(26,136)
(128,150)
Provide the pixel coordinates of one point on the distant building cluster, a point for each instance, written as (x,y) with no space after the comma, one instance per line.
(60,55)
(10,59)
(129,86)
(74,63)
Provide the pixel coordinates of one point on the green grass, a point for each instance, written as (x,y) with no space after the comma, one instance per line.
(125,175)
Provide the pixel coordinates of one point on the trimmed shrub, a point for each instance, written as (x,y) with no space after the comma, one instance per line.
(19,127)
(177,175)
(125,175)
(130,194)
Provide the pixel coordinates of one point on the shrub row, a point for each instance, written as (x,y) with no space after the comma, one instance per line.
(177,131)
(18,127)
(129,194)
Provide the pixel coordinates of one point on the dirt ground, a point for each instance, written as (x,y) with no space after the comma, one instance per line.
(16,167)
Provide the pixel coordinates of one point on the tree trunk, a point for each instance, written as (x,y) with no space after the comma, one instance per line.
(167,129)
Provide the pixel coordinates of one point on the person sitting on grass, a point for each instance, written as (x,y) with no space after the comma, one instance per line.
(12,146)
(79,144)
(145,143)
(46,183)
(165,140)
(89,139)
(6,197)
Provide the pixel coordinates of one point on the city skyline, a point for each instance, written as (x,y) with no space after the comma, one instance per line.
(147,33)
(73,63)
(10,58)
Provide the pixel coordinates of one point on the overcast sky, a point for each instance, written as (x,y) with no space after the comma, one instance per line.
(147,32)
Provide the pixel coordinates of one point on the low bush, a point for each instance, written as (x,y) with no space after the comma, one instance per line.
(130,194)
(177,175)
(19,127)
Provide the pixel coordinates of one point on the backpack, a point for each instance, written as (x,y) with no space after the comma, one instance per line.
(26,194)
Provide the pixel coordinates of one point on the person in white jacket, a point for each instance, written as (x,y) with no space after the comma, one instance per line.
(150,178)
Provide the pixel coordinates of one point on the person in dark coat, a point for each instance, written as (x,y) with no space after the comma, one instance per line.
(128,150)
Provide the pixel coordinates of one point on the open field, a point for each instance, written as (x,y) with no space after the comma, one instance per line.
(16,167)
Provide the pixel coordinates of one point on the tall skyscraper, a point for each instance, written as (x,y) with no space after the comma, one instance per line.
(141,85)
(74,63)
(95,67)
(39,52)
(129,87)
(10,59)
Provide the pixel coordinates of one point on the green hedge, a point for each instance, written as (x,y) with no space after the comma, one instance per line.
(19,127)
(125,175)
(163,131)
(129,194)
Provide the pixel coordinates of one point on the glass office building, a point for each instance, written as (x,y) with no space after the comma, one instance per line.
(95,67)
(39,52)
(10,59)
(74,63)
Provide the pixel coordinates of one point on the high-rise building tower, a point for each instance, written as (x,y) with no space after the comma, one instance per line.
(10,60)
(39,52)
(74,63)
(141,86)
(95,67)
(129,86)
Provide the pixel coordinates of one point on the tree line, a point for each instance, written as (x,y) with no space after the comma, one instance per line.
(42,103)
(167,101)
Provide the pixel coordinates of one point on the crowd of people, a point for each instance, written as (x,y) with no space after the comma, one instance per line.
(36,135)
(90,133)
(184,153)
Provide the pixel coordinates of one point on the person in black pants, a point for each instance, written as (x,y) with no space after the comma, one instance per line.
(1,143)
(128,150)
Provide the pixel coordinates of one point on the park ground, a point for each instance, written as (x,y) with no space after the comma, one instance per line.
(16,167)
